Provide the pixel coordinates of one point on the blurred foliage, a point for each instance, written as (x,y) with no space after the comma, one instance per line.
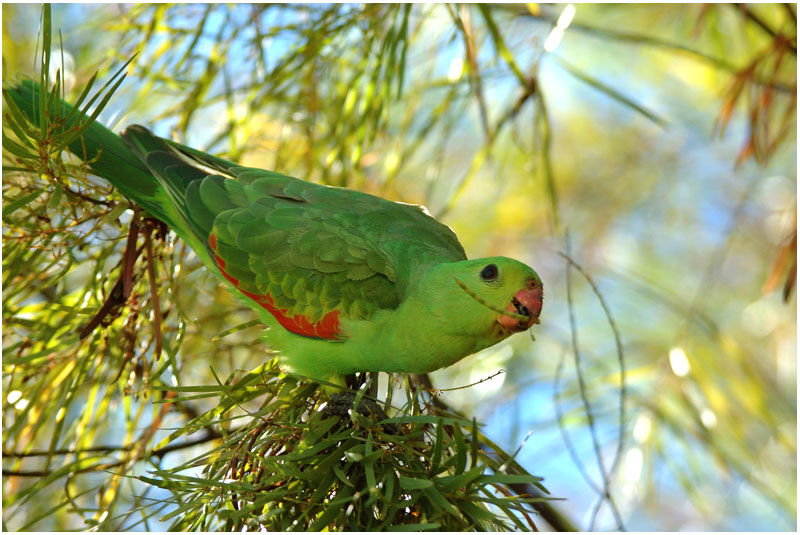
(653,144)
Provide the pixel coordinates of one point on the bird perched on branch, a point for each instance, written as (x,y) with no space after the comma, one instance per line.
(346,282)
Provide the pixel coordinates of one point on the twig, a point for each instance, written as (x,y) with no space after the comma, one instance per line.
(114,300)
(65,451)
(543,119)
(582,389)
(562,426)
(620,359)
(130,257)
(151,275)
(463,23)
(211,434)
(436,391)
(87,198)
(764,26)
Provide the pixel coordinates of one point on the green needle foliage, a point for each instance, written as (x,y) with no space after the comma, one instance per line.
(289,466)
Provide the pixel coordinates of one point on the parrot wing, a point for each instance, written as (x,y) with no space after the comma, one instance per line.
(309,254)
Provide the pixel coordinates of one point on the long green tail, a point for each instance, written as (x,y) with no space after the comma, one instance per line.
(126,161)
(104,151)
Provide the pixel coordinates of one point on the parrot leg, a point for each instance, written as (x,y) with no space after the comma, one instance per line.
(341,403)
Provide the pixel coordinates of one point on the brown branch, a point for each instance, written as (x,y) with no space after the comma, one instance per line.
(464,24)
(130,256)
(87,198)
(158,452)
(122,288)
(151,275)
(530,90)
(114,300)
(64,451)
(764,26)
(25,473)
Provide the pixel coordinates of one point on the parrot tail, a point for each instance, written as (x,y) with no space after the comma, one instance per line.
(105,152)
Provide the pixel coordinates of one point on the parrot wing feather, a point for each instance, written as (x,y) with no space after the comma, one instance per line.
(309,254)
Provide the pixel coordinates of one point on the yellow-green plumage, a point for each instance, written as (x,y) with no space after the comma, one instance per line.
(345,281)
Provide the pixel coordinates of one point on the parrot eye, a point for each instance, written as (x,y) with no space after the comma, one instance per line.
(489,273)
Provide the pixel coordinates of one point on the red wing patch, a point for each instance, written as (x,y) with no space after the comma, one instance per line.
(327,327)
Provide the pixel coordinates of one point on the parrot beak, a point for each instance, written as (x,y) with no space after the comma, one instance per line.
(527,302)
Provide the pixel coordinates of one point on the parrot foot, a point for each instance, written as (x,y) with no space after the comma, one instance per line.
(341,404)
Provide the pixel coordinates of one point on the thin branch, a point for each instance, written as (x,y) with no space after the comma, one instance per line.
(114,300)
(66,451)
(437,391)
(582,389)
(151,275)
(763,25)
(130,256)
(463,24)
(210,435)
(620,359)
(25,473)
(562,427)
(87,198)
(542,120)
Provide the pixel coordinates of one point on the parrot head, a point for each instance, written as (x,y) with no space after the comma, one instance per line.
(492,297)
(513,288)
(527,301)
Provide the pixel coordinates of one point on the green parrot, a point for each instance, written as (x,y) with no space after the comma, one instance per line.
(345,281)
